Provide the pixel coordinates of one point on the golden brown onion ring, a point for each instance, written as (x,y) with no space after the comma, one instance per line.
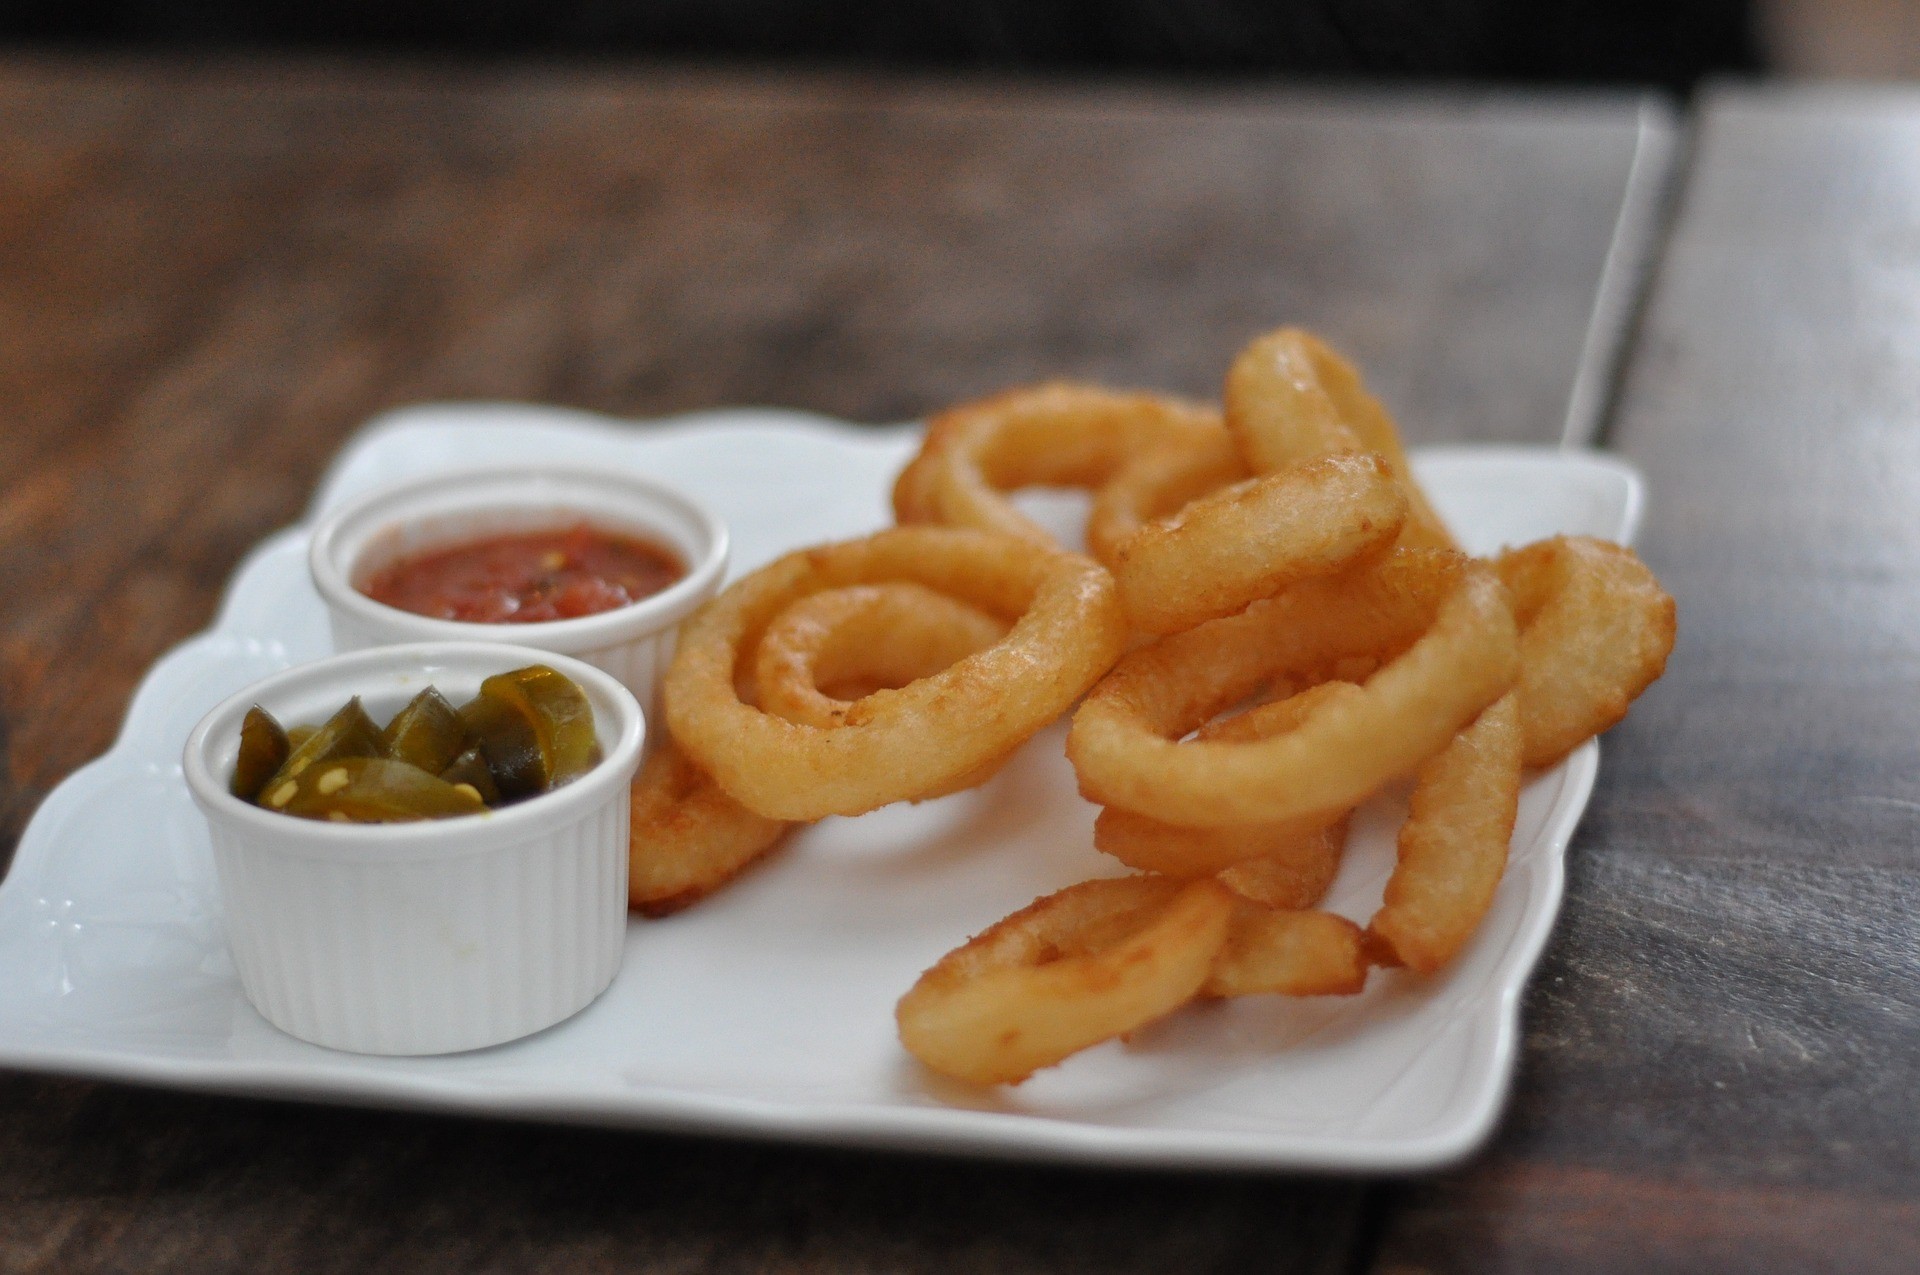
(1159,482)
(1443,618)
(833,648)
(825,653)
(1288,952)
(1253,539)
(1286,864)
(1070,970)
(687,838)
(1152,845)
(1059,434)
(1298,879)
(1595,631)
(1290,397)
(1453,846)
(907,743)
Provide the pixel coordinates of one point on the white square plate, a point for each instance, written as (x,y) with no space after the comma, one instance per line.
(768,1010)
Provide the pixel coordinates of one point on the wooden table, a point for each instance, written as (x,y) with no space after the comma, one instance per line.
(210,274)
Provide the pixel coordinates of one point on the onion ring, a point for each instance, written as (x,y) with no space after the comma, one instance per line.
(1290,397)
(1253,539)
(1447,617)
(1595,631)
(1072,969)
(687,838)
(1286,864)
(895,744)
(1453,846)
(1263,721)
(1288,952)
(1152,845)
(1298,880)
(1157,483)
(1060,434)
(861,639)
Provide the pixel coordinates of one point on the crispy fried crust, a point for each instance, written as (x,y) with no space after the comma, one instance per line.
(1453,846)
(1253,539)
(1070,970)
(687,838)
(1595,630)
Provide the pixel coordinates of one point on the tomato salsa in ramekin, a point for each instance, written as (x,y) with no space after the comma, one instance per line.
(528,520)
(527,577)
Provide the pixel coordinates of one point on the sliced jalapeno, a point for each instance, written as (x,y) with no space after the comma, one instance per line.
(510,743)
(374,790)
(535,728)
(562,717)
(263,750)
(426,733)
(470,768)
(526,731)
(348,733)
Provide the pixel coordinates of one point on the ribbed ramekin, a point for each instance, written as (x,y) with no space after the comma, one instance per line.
(634,643)
(428,937)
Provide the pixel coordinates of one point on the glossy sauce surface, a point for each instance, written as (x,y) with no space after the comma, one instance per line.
(528,577)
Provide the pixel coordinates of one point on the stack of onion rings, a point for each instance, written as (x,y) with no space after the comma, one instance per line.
(1282,551)
(1446,617)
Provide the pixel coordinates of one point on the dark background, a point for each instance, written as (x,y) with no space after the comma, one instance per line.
(1666,42)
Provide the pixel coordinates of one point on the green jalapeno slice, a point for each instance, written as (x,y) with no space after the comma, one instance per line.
(263,751)
(348,733)
(426,733)
(470,768)
(373,790)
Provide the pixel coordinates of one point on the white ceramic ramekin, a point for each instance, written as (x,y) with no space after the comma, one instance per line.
(429,937)
(634,643)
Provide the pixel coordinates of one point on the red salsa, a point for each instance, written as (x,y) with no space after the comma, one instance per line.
(527,577)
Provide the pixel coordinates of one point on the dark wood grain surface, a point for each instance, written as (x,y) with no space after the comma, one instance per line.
(1722,1064)
(210,274)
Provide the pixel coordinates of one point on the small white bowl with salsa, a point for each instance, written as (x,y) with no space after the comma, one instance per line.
(597,564)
